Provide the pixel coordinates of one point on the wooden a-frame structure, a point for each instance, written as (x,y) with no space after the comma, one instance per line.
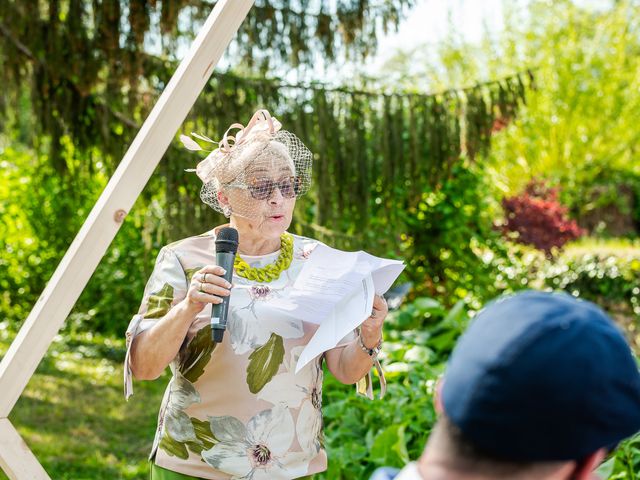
(102,224)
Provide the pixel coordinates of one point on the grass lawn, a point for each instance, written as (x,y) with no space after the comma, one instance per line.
(73,414)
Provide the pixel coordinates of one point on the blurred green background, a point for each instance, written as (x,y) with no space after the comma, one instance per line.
(489,164)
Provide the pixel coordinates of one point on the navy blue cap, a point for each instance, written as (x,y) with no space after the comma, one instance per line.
(542,377)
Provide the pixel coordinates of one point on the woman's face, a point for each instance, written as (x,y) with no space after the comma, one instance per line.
(265,200)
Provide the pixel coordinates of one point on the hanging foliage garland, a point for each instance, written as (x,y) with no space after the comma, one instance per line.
(375,153)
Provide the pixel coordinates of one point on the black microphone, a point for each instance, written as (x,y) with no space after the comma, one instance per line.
(226,248)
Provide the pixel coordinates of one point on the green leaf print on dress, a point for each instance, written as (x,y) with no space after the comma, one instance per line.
(178,429)
(182,394)
(159,303)
(197,355)
(204,441)
(203,434)
(259,450)
(173,448)
(264,363)
(190,272)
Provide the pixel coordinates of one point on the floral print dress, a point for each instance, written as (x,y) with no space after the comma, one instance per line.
(235,410)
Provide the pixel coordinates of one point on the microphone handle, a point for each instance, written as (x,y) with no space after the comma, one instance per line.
(219,310)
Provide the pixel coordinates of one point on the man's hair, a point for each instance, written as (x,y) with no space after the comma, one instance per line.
(461,455)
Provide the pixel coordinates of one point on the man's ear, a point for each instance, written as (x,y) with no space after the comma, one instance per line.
(584,469)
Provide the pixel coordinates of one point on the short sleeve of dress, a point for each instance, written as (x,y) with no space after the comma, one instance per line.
(165,288)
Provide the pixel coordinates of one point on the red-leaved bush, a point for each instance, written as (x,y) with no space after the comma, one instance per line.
(536,217)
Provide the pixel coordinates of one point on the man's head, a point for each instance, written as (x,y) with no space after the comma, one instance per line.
(539,381)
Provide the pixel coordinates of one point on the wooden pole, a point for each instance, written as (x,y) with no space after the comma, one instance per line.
(16,459)
(102,224)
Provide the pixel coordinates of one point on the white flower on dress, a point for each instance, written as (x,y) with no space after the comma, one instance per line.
(251,328)
(259,450)
(292,388)
(302,390)
(309,428)
(182,394)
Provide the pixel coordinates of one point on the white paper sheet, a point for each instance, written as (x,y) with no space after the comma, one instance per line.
(335,289)
(348,313)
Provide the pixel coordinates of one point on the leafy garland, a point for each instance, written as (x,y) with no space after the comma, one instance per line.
(375,153)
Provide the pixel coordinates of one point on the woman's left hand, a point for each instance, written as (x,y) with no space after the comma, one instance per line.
(371,328)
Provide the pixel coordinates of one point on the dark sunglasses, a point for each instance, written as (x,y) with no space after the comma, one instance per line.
(262,188)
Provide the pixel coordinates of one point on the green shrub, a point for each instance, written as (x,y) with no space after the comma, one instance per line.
(362,435)
(446,234)
(608,279)
(40,214)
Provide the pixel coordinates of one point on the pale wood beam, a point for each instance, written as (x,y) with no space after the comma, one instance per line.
(104,220)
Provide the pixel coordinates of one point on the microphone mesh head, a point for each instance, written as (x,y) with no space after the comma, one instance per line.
(227,240)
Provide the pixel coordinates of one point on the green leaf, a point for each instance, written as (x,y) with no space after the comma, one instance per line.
(204,433)
(195,447)
(159,303)
(205,437)
(173,447)
(426,304)
(190,272)
(605,470)
(390,447)
(457,315)
(197,355)
(444,341)
(264,363)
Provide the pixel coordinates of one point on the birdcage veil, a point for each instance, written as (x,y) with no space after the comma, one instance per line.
(258,159)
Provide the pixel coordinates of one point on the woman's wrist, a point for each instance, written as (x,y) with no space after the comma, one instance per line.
(370,346)
(188,309)
(370,339)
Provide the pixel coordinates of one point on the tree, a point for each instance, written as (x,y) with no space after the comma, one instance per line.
(86,64)
(579,126)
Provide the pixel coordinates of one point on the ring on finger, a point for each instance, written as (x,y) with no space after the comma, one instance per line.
(200,286)
(204,278)
(373,313)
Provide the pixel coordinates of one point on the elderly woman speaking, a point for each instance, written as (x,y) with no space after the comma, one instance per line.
(237,409)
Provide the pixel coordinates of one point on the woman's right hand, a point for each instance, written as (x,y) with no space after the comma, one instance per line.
(207,286)
(155,348)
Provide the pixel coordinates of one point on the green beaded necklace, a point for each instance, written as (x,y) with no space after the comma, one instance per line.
(269,272)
